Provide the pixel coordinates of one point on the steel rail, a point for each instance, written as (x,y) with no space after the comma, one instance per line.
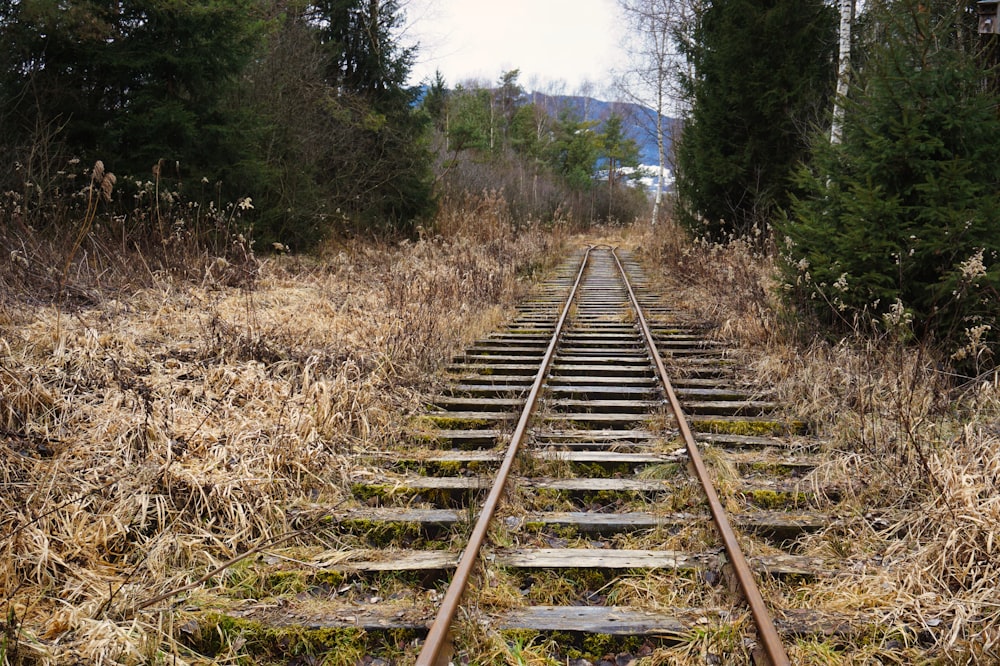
(437,635)
(762,617)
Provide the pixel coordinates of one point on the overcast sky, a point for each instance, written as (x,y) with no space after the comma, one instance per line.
(548,40)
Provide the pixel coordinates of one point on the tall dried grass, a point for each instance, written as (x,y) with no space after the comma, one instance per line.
(912,449)
(176,420)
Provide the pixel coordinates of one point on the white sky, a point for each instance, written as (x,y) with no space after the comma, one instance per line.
(548,40)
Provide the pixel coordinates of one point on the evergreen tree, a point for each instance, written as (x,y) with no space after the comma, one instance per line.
(435,102)
(904,214)
(129,81)
(388,139)
(307,111)
(574,150)
(508,98)
(469,119)
(618,150)
(763,70)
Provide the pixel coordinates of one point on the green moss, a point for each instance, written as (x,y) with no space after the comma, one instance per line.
(564,531)
(286,582)
(255,642)
(366,491)
(336,645)
(386,533)
(773,499)
(445,467)
(598,645)
(441,467)
(519,636)
(772,469)
(746,428)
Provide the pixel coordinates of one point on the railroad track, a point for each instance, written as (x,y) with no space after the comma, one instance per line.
(556,495)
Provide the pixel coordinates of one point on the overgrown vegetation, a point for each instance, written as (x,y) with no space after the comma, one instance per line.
(910,448)
(301,106)
(898,225)
(170,397)
(164,407)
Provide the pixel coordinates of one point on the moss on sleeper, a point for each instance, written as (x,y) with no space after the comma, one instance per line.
(771,469)
(773,499)
(747,428)
(259,643)
(383,534)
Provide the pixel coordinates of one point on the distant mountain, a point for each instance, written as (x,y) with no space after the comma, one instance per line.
(639,121)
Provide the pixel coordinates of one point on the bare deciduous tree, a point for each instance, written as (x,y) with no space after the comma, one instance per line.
(656,28)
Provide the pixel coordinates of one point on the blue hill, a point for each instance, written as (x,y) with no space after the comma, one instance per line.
(639,121)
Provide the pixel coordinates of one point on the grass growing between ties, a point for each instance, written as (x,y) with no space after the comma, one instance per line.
(910,448)
(166,407)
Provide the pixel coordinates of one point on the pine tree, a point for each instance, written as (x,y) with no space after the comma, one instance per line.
(574,150)
(904,214)
(763,70)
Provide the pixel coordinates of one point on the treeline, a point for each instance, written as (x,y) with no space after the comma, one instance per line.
(298,106)
(892,222)
(299,110)
(540,150)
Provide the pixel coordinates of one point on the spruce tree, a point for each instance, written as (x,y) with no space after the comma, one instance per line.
(763,70)
(903,216)
(574,149)
(129,81)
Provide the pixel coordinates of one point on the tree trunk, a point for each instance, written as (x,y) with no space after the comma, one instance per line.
(843,70)
(660,152)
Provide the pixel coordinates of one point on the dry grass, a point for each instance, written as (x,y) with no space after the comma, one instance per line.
(156,429)
(170,415)
(913,450)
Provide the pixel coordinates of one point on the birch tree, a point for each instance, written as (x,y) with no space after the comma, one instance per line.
(843,69)
(655,26)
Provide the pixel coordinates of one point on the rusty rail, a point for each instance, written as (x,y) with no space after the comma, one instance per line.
(437,635)
(762,617)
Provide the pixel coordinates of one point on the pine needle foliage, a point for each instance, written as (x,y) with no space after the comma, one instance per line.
(901,221)
(760,74)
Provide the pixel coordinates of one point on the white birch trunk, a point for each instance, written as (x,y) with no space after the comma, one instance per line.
(661,155)
(843,70)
